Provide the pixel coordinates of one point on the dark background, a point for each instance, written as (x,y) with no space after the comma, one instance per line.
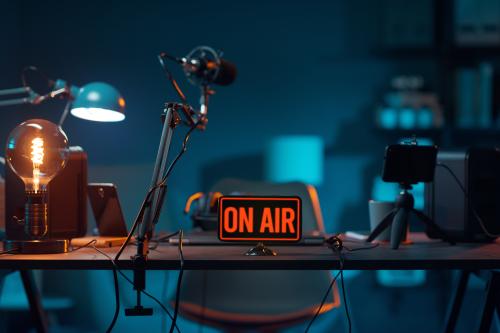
(310,67)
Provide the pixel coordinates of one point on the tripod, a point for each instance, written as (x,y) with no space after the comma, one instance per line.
(398,219)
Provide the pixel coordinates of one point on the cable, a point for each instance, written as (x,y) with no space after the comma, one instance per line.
(469,200)
(152,189)
(117,301)
(179,281)
(11,251)
(136,221)
(322,302)
(33,69)
(183,150)
(344,293)
(82,246)
(336,244)
(361,248)
(157,301)
(166,238)
(171,77)
(116,286)
(162,239)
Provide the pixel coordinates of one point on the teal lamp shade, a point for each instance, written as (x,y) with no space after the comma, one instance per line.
(295,158)
(98,101)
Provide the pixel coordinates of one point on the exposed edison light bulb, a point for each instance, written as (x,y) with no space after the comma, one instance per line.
(36,151)
(37,159)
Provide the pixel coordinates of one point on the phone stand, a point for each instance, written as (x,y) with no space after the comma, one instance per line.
(398,219)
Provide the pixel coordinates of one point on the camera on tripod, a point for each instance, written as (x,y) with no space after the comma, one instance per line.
(409,163)
(406,164)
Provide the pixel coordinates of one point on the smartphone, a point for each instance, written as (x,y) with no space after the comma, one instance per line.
(107,210)
(409,164)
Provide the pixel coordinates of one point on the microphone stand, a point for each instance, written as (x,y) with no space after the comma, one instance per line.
(171,118)
(150,211)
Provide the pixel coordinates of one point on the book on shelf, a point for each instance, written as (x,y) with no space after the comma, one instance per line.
(475,98)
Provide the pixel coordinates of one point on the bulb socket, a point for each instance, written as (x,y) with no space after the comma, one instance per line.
(35,214)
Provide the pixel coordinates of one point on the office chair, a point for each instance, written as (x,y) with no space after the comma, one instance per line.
(259,300)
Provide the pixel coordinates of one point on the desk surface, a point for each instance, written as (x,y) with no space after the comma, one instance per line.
(422,254)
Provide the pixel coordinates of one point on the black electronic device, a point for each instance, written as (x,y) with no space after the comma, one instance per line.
(67,201)
(453,209)
(107,210)
(409,163)
(406,164)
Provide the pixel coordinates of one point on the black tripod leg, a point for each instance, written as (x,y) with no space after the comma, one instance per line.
(490,303)
(384,224)
(37,313)
(458,297)
(431,225)
(399,226)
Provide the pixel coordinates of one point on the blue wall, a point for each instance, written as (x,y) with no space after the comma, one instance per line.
(304,68)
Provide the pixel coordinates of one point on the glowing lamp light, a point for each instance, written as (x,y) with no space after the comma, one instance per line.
(37,150)
(98,101)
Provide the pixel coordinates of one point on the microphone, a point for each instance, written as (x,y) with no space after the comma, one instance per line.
(204,71)
(203,65)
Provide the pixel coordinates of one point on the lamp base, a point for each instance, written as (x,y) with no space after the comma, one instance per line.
(260,250)
(42,246)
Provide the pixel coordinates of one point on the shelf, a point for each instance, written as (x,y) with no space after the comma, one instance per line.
(409,132)
(447,137)
(408,52)
(455,54)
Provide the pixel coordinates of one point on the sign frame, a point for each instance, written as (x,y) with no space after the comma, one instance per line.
(269,198)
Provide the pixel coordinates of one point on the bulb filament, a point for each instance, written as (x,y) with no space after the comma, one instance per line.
(37,159)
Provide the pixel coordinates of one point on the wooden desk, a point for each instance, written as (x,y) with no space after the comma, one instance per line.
(422,254)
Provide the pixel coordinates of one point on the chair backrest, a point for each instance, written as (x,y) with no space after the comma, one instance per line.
(250,297)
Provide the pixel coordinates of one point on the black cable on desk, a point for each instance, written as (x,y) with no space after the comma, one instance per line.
(73,249)
(166,238)
(11,251)
(349,249)
(161,239)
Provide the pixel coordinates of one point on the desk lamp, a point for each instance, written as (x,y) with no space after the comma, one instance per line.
(96,101)
(36,151)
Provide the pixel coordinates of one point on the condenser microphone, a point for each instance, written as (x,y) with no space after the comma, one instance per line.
(205,71)
(203,66)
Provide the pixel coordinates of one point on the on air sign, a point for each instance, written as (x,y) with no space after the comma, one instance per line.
(245,218)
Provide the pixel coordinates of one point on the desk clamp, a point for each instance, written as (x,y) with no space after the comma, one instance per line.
(139,283)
